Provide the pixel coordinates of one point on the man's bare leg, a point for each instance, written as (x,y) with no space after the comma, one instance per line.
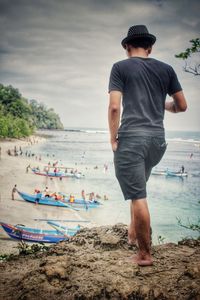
(131,229)
(141,218)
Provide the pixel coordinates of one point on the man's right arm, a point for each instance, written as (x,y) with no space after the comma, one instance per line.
(178,104)
(114,116)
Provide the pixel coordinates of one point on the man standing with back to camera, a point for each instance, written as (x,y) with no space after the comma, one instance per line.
(138,143)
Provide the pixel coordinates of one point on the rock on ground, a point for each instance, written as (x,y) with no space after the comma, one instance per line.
(94,265)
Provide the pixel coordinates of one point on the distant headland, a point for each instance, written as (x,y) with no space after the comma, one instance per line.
(20,117)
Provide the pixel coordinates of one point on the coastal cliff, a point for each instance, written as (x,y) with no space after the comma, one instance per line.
(95,264)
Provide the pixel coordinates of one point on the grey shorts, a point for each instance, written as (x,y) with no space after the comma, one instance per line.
(134,159)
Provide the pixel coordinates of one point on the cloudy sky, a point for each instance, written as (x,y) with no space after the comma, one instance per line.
(60,52)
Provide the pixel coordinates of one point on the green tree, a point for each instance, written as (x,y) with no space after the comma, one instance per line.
(13,130)
(191,226)
(191,57)
(188,55)
(24,127)
(8,94)
(20,109)
(3,127)
(43,117)
(19,117)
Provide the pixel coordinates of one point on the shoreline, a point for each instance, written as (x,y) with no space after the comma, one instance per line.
(10,168)
(13,171)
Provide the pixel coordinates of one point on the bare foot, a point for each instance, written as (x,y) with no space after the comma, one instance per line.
(147,261)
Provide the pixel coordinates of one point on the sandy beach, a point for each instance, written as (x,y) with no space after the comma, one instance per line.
(13,171)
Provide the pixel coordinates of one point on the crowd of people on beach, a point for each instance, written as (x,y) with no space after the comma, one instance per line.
(17,150)
(90,197)
(46,193)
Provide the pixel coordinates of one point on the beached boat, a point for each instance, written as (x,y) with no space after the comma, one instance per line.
(58,174)
(158,172)
(42,200)
(36,235)
(176,174)
(169,173)
(76,204)
(58,228)
(81,202)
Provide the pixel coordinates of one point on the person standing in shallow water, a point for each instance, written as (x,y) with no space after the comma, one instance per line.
(14,190)
(141,84)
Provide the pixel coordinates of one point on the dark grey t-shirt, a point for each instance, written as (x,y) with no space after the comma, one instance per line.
(144,83)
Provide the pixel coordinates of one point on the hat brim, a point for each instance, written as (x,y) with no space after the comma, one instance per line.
(145,36)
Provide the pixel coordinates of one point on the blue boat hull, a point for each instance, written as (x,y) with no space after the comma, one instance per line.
(71,231)
(25,235)
(176,174)
(58,174)
(43,200)
(79,203)
(168,173)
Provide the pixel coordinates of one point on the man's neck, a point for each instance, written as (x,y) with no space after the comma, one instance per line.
(138,52)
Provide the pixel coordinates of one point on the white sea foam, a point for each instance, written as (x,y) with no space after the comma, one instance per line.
(95,131)
(181,140)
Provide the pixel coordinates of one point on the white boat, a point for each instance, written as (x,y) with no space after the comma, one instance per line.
(159,172)
(169,173)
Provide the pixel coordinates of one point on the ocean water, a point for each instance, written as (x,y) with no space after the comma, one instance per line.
(169,198)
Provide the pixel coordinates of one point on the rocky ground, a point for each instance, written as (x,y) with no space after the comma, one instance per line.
(94,265)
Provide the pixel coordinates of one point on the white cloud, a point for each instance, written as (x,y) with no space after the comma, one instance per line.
(61,52)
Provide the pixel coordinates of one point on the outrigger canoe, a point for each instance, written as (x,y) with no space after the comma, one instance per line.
(43,200)
(176,174)
(158,172)
(58,228)
(168,173)
(77,204)
(82,202)
(58,174)
(19,232)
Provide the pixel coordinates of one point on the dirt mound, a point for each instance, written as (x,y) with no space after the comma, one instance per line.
(94,265)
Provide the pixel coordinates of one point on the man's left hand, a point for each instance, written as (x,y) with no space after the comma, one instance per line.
(114,145)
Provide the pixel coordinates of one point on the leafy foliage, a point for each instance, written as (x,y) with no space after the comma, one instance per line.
(43,117)
(20,117)
(188,54)
(25,249)
(7,257)
(191,226)
(161,239)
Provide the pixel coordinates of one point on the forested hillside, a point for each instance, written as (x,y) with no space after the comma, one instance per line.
(20,117)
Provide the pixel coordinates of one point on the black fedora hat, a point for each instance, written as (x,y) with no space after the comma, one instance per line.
(138,31)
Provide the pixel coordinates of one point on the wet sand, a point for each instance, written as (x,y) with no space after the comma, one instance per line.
(13,171)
